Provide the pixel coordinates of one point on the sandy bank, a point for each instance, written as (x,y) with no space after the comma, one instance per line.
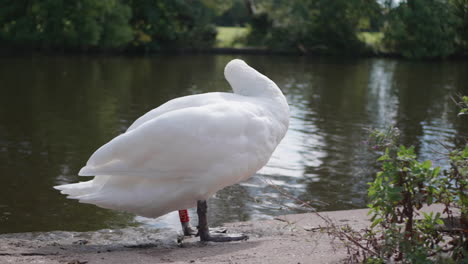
(286,239)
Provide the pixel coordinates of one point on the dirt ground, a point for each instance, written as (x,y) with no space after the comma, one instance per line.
(286,239)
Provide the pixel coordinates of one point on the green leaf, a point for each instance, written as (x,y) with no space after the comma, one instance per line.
(376,222)
(429,200)
(383,158)
(427,164)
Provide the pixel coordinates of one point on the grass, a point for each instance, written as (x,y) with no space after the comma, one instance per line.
(234,37)
(372,39)
(231,37)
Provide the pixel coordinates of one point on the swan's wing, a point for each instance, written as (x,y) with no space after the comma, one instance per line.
(189,141)
(180,103)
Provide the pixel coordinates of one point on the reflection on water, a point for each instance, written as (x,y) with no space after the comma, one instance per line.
(55,111)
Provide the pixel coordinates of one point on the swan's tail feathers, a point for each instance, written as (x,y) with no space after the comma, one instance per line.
(76,189)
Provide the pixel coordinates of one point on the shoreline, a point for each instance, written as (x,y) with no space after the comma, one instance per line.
(219,51)
(297,238)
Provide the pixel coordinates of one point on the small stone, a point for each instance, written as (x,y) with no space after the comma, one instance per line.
(81,242)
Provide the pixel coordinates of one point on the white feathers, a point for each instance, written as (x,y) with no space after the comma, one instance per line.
(188,148)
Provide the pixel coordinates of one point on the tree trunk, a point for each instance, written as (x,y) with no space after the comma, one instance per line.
(250,7)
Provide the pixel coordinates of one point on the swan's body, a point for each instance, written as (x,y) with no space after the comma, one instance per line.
(188,148)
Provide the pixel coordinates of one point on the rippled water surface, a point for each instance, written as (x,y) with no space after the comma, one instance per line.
(55,111)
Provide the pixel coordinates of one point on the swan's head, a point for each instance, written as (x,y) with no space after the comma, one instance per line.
(247,81)
(237,68)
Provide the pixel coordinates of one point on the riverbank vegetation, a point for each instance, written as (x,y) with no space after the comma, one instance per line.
(399,232)
(411,28)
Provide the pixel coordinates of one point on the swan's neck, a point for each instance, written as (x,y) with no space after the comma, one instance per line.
(260,86)
(246,81)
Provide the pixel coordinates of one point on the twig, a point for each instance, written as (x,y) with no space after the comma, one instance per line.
(358,244)
(332,228)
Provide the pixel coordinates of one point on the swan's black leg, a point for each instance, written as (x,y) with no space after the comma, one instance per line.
(204,232)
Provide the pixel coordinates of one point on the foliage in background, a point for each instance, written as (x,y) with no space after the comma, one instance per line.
(171,24)
(237,14)
(413,28)
(460,10)
(52,24)
(312,25)
(421,29)
(106,24)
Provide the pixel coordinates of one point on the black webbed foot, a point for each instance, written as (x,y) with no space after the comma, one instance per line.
(216,234)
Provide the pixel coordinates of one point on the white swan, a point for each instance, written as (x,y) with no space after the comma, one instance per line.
(187,149)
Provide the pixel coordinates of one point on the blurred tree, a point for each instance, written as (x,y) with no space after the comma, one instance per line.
(421,29)
(52,24)
(460,9)
(171,24)
(312,25)
(237,15)
(108,24)
(415,28)
(219,6)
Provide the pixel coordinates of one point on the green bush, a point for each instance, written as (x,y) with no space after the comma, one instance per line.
(171,24)
(105,24)
(460,9)
(414,28)
(311,25)
(402,187)
(52,24)
(421,29)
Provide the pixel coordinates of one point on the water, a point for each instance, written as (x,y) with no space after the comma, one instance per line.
(55,111)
